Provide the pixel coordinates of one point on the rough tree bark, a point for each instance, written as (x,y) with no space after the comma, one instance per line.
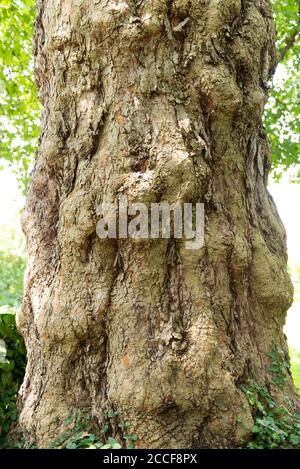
(159,101)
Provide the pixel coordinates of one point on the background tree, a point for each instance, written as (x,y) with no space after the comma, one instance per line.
(282,114)
(19,107)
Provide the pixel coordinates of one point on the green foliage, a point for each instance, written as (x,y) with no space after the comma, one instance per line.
(12,365)
(12,349)
(282,112)
(79,433)
(19,107)
(11,279)
(295,366)
(279,366)
(286,13)
(274,426)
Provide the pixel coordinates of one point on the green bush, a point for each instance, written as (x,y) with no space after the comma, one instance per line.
(12,365)
(12,349)
(274,426)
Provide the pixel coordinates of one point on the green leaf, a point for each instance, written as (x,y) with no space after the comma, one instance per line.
(71,445)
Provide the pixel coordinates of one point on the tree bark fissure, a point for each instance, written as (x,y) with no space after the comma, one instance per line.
(159,101)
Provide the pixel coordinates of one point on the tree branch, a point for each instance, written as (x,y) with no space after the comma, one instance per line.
(290,41)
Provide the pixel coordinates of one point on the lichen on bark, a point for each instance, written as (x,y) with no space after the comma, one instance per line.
(159,101)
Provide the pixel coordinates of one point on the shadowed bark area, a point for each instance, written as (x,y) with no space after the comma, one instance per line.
(159,101)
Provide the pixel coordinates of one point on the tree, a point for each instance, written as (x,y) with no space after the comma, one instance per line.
(158,101)
(19,126)
(20,108)
(282,112)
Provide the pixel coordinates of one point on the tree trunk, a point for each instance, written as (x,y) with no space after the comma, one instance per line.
(159,101)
